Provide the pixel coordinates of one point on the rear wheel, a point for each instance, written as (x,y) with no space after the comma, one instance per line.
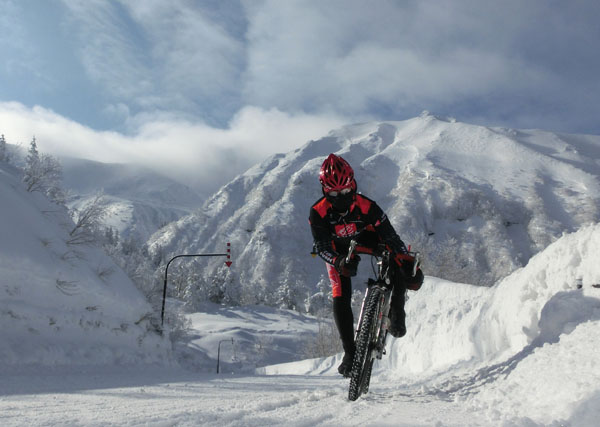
(363,359)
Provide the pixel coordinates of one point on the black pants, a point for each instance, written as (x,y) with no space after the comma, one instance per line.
(343,316)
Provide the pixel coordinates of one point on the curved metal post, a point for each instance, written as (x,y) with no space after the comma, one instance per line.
(228,262)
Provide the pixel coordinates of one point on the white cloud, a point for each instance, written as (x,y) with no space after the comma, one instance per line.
(200,155)
(496,63)
(510,58)
(347,60)
(157,55)
(110,56)
(193,53)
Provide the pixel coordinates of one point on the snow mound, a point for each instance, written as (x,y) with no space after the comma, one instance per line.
(451,323)
(528,343)
(551,331)
(64,304)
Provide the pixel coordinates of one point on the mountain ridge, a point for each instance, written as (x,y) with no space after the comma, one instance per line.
(478,201)
(139,200)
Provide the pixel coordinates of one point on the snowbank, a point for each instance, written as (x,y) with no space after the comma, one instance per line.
(450,323)
(64,304)
(527,344)
(523,351)
(551,331)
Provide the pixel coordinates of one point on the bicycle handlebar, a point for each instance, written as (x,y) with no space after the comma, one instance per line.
(353,244)
(415,255)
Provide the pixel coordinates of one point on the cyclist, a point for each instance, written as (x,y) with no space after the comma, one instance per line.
(342,215)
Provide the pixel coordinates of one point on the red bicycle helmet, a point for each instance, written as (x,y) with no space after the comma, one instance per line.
(336,174)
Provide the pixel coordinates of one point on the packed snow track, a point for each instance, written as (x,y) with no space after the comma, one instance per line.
(177,397)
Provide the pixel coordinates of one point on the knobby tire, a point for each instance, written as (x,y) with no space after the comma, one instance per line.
(367,377)
(363,361)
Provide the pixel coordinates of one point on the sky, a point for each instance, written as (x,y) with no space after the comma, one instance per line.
(202,90)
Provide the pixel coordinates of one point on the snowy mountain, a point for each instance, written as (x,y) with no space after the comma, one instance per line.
(140,201)
(63,303)
(478,201)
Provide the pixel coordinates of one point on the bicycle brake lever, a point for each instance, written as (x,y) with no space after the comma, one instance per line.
(417,263)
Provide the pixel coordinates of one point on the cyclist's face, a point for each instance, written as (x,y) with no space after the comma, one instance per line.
(342,199)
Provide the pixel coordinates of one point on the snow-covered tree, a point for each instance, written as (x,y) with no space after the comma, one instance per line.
(43,173)
(88,221)
(32,172)
(132,256)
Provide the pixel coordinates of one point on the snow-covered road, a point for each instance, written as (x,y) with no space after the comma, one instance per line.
(177,397)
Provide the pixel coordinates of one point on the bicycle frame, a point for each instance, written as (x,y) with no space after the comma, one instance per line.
(383,282)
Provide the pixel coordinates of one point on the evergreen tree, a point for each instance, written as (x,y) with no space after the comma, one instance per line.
(32,168)
(43,173)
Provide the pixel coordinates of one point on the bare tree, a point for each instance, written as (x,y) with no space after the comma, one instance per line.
(88,221)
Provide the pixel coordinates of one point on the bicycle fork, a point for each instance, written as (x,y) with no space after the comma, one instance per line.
(383,323)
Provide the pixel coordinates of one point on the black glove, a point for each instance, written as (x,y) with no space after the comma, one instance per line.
(414,282)
(406,263)
(347,269)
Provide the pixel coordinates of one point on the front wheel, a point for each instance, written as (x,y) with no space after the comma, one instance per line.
(363,359)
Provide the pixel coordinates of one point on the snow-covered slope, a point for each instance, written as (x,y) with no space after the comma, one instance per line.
(478,201)
(243,338)
(524,349)
(140,201)
(63,304)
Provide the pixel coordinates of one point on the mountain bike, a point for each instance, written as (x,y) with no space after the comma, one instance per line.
(374,320)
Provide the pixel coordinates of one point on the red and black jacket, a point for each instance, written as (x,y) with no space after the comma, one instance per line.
(364,222)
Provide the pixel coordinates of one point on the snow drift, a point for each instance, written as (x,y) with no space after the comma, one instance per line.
(528,343)
(63,304)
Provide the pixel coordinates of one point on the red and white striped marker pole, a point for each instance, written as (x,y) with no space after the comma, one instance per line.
(228,262)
